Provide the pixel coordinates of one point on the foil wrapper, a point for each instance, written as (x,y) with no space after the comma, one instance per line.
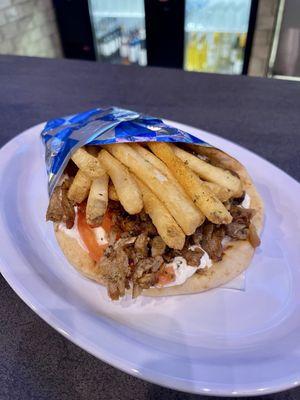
(99,126)
(63,136)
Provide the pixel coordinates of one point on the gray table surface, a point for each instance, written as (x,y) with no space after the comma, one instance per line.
(262,115)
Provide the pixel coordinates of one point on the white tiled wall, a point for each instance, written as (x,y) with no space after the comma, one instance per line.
(28,27)
(263,36)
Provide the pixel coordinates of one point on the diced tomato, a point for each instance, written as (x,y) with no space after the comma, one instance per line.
(107,222)
(166,276)
(87,235)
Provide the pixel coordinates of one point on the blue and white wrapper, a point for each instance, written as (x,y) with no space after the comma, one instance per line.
(63,136)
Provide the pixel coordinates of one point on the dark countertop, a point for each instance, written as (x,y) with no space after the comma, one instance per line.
(262,115)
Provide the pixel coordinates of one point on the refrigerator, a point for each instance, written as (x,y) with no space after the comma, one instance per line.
(119,31)
(196,35)
(215,35)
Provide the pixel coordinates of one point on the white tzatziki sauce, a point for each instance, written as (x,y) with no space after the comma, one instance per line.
(183,271)
(99,232)
(246,202)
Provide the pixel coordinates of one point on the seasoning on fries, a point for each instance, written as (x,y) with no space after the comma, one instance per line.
(201,196)
(87,163)
(97,201)
(126,187)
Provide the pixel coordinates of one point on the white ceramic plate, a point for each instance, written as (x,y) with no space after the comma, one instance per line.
(223,342)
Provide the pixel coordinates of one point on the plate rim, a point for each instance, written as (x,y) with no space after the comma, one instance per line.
(123,365)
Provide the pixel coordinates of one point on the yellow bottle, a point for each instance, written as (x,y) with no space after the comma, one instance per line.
(202,57)
(191,51)
(242,40)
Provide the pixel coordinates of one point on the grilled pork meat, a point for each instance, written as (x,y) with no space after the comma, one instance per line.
(192,257)
(60,208)
(211,242)
(239,227)
(137,254)
(114,268)
(158,246)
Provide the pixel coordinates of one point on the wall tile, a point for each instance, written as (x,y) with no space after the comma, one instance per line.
(7,47)
(2,18)
(11,13)
(10,30)
(28,27)
(18,1)
(4,4)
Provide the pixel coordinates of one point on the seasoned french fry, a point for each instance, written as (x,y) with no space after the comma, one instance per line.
(202,197)
(87,163)
(178,203)
(165,224)
(126,187)
(97,201)
(221,192)
(112,194)
(209,172)
(206,151)
(151,158)
(79,188)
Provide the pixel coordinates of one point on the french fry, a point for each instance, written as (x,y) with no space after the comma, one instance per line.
(126,187)
(79,188)
(205,151)
(87,163)
(202,197)
(218,157)
(97,201)
(165,224)
(209,172)
(178,203)
(221,192)
(152,159)
(112,194)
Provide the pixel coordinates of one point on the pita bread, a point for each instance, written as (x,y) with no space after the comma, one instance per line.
(236,258)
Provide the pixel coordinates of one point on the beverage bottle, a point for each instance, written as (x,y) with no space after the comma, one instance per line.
(142,56)
(187,61)
(124,48)
(202,56)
